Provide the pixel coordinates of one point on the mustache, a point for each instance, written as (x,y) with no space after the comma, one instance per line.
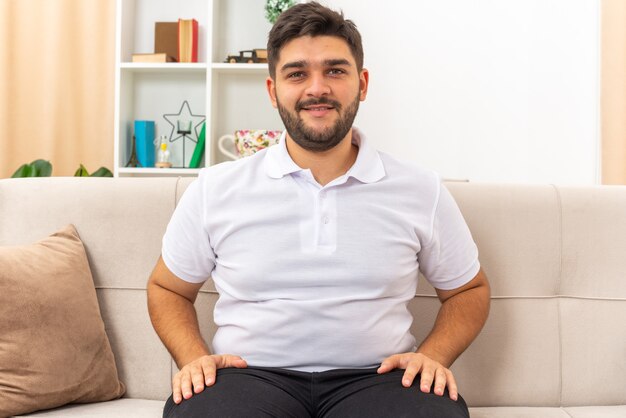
(312,102)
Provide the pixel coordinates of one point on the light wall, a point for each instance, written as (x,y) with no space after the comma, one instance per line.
(503,90)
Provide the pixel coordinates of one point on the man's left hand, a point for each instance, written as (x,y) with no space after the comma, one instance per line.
(431,372)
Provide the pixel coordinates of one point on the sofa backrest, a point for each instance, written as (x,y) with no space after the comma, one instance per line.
(121,222)
(554,257)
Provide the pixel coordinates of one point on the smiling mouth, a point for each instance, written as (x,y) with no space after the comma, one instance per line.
(319,106)
(318,111)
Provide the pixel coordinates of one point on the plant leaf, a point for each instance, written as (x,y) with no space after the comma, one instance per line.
(41,168)
(102,172)
(81,172)
(25,170)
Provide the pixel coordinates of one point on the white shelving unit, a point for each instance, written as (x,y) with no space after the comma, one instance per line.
(231,96)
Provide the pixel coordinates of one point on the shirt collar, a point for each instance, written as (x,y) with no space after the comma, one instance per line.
(368,167)
(278,162)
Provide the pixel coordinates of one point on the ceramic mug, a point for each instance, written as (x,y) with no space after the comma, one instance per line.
(247,141)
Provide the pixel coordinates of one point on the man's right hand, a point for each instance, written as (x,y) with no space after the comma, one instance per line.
(200,373)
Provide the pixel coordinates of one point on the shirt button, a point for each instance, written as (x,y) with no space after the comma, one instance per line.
(322,195)
(326,220)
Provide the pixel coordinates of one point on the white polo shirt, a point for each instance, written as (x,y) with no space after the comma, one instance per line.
(313,278)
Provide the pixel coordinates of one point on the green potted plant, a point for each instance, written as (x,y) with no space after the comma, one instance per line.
(43,168)
(37,168)
(273,8)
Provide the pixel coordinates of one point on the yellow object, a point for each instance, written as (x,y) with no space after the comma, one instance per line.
(163,155)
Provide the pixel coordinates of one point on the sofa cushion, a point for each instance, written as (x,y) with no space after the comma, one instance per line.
(128,408)
(611,411)
(53,345)
(518,412)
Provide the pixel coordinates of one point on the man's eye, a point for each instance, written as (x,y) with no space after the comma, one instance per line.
(297,74)
(336,71)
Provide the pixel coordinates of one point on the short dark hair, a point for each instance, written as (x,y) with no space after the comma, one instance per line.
(312,19)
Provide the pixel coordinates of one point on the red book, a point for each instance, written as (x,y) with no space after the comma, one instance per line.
(187,40)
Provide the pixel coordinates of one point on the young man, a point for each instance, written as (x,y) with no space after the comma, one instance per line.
(314,246)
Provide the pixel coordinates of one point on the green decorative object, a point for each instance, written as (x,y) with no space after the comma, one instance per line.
(273,8)
(198,152)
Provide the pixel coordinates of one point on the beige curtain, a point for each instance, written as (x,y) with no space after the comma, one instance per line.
(56,83)
(613,92)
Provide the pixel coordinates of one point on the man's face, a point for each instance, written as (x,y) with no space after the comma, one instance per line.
(317,90)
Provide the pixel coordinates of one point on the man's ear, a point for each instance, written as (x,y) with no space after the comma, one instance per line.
(271,90)
(364,81)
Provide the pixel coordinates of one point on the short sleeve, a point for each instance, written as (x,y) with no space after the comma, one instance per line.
(186,248)
(450,258)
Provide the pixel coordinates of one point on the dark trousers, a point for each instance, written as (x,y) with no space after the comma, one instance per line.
(269,392)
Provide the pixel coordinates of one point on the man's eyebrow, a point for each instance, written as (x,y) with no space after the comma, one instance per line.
(337,61)
(293,64)
(303,63)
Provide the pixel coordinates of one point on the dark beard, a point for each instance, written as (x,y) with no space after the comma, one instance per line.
(318,141)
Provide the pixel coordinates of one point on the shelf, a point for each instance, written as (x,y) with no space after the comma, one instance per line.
(160,171)
(230,96)
(140,67)
(222,67)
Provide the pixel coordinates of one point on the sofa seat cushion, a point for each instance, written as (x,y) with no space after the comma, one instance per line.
(128,408)
(53,346)
(617,411)
(547,412)
(141,408)
(518,412)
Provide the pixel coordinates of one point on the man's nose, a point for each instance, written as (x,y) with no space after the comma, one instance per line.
(318,86)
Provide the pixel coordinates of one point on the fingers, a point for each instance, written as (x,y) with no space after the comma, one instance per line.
(428,377)
(432,374)
(452,387)
(411,362)
(390,363)
(210,364)
(412,369)
(176,388)
(228,360)
(200,373)
(209,370)
(181,386)
(186,382)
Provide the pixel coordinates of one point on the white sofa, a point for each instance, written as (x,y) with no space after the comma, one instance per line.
(554,345)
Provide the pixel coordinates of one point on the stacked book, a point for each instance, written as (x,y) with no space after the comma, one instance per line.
(160,57)
(166,39)
(173,42)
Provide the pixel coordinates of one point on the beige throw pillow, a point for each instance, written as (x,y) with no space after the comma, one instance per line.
(53,347)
